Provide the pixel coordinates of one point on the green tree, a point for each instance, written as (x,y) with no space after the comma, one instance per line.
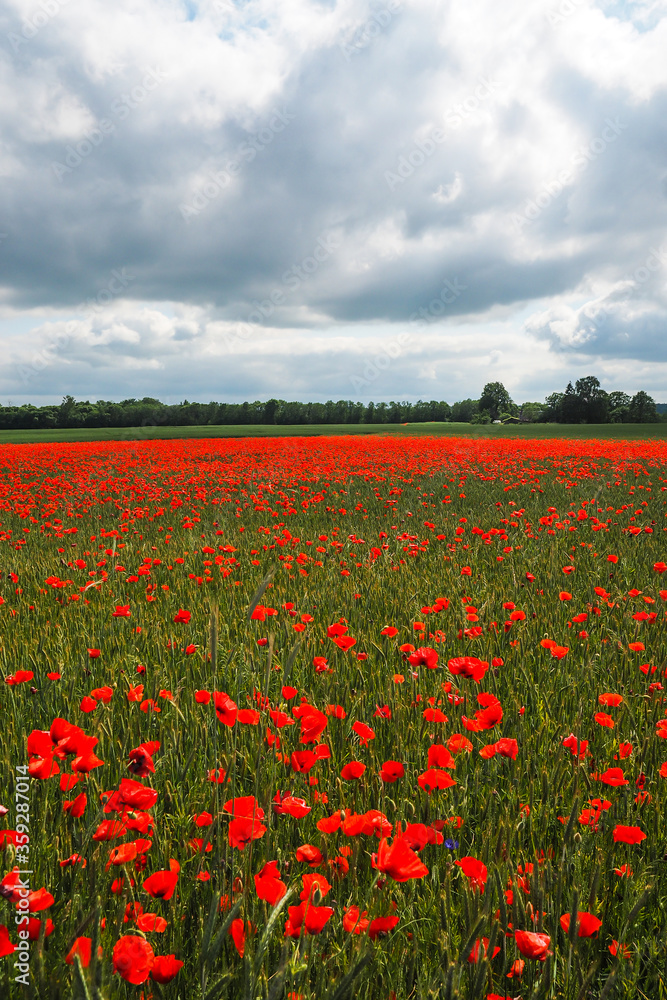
(554,407)
(531,413)
(619,403)
(495,399)
(642,409)
(464,411)
(570,406)
(592,398)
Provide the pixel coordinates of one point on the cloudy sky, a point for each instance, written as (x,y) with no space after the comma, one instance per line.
(326,199)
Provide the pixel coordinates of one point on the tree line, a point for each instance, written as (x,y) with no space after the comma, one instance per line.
(585,402)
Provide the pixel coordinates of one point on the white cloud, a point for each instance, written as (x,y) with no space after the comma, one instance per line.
(276,127)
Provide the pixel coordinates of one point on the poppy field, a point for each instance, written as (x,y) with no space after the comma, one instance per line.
(312,718)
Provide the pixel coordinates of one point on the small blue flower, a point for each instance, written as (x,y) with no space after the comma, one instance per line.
(451,844)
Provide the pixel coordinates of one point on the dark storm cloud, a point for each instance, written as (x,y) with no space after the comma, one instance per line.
(324,165)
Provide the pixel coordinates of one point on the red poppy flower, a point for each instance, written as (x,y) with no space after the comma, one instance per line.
(241,831)
(133,958)
(334,631)
(135,693)
(418,835)
(603,719)
(613,776)
(468,666)
(77,806)
(301,761)
(434,715)
(35,928)
(81,947)
(122,854)
(483,947)
(354,922)
(314,882)
(628,834)
(381,926)
(587,923)
(225,708)
(161,885)
(457,743)
(313,723)
(533,945)
(122,611)
(248,716)
(433,779)
(424,656)
(364,732)
(516,970)
(391,771)
(578,748)
(237,933)
(310,854)
(109,829)
(43,767)
(353,770)
(182,617)
(40,899)
(474,870)
(329,824)
(295,807)
(610,700)
(398,861)
(151,922)
(307,918)
(345,642)
(135,795)
(337,711)
(389,631)
(165,968)
(507,748)
(104,694)
(268,885)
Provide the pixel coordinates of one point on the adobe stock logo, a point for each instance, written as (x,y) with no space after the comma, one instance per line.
(218,180)
(117,285)
(121,108)
(326,245)
(48,9)
(392,349)
(580,160)
(424,148)
(363,35)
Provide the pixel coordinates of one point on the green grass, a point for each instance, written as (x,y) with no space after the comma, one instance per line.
(376,533)
(432,428)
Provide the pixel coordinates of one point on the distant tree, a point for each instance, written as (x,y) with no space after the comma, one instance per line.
(593,405)
(67,412)
(531,413)
(642,409)
(464,411)
(570,406)
(554,407)
(495,399)
(618,404)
